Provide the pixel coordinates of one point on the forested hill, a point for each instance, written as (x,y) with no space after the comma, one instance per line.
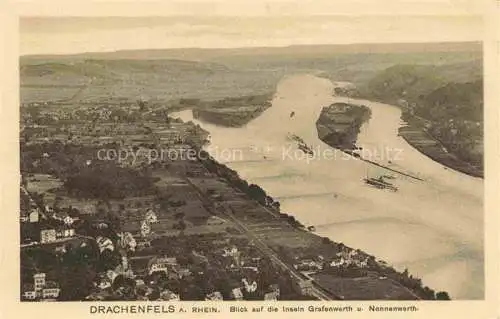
(413,82)
(460,101)
(443,103)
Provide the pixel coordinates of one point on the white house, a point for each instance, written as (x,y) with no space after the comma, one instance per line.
(127,241)
(249,287)
(48,236)
(68,220)
(168,295)
(34,216)
(237,294)
(161,264)
(151,216)
(50,293)
(233,252)
(145,228)
(30,295)
(39,281)
(104,243)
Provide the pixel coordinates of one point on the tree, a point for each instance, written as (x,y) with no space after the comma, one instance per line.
(257,193)
(109,260)
(442,295)
(326,241)
(276,205)
(158,277)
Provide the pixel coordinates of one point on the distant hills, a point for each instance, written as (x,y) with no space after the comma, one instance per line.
(213,74)
(301,50)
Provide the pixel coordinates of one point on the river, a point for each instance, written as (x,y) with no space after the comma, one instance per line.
(432,227)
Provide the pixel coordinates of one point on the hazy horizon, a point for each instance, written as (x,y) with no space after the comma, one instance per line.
(76,35)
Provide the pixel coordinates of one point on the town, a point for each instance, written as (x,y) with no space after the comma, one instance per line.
(167,228)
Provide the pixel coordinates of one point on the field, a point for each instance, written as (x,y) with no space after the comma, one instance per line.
(42,183)
(370,288)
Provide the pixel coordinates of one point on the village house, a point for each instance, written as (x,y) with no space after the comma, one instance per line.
(126,241)
(45,289)
(39,281)
(249,287)
(151,216)
(104,283)
(237,294)
(168,295)
(232,252)
(252,268)
(346,258)
(48,236)
(139,283)
(183,272)
(29,292)
(271,296)
(214,296)
(308,265)
(104,243)
(65,233)
(145,228)
(161,264)
(34,216)
(51,291)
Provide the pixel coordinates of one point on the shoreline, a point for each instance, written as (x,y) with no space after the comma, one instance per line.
(432,148)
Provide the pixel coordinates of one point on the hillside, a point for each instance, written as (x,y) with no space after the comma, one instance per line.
(158,80)
(412,82)
(443,108)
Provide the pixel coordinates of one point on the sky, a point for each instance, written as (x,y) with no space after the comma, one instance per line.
(280,23)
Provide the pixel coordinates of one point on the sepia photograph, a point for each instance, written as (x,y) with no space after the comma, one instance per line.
(279,156)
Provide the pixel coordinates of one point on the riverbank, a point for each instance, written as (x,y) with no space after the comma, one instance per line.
(422,141)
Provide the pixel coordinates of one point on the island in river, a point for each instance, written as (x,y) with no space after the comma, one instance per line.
(338,125)
(232,111)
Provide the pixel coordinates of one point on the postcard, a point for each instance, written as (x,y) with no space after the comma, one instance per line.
(237,158)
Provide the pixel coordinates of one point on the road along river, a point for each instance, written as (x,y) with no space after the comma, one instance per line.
(433,227)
